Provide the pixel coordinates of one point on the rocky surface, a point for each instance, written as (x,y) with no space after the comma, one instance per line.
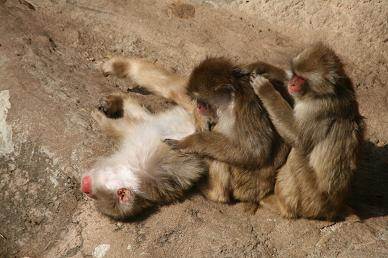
(49,51)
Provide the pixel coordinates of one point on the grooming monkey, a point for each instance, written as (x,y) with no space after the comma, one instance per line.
(325,130)
(144,171)
(243,153)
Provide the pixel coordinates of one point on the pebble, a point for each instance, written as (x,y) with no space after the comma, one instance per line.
(101,250)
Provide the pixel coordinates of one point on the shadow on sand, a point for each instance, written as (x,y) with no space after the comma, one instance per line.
(370,187)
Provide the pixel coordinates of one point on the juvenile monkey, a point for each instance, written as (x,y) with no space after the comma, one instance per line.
(242,162)
(325,130)
(143,172)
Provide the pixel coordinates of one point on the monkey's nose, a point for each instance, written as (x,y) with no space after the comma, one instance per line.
(86,185)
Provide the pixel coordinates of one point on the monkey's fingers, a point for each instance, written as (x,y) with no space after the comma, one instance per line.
(259,83)
(181,147)
(111,106)
(174,144)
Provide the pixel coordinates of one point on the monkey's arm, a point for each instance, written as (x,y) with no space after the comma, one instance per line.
(152,77)
(217,146)
(279,110)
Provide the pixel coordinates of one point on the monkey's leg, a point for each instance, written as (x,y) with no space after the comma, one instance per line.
(115,128)
(280,112)
(251,186)
(218,147)
(154,78)
(286,198)
(272,203)
(217,187)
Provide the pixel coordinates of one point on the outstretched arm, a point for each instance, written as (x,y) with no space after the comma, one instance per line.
(154,78)
(217,146)
(279,110)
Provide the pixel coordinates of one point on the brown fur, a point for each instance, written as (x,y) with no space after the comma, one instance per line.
(242,162)
(218,187)
(325,130)
(252,157)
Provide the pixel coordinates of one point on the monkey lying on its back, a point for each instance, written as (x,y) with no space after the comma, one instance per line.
(144,172)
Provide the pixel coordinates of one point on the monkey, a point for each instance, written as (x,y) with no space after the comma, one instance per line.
(325,130)
(243,153)
(144,172)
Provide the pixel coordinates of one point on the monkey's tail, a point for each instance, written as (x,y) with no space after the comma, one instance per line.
(152,77)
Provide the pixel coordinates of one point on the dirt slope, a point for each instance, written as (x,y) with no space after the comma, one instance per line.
(49,51)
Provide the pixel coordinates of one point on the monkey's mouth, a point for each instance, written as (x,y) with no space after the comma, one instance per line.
(295,84)
(293,89)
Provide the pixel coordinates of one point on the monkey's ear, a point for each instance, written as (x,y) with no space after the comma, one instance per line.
(239,72)
(124,195)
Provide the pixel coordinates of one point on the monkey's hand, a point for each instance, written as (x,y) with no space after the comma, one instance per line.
(180,145)
(260,84)
(183,146)
(174,144)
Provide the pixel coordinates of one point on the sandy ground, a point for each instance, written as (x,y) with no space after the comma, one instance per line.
(49,51)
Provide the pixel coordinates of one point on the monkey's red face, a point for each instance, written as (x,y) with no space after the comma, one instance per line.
(295,85)
(113,187)
(123,195)
(205,116)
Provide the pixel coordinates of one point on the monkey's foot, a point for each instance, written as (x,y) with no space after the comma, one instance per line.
(286,213)
(215,195)
(115,66)
(250,207)
(111,106)
(107,68)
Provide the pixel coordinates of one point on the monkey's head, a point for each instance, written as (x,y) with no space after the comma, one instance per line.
(212,85)
(315,71)
(115,189)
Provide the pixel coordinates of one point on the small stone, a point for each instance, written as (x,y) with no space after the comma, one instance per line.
(101,250)
(11,167)
(119,225)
